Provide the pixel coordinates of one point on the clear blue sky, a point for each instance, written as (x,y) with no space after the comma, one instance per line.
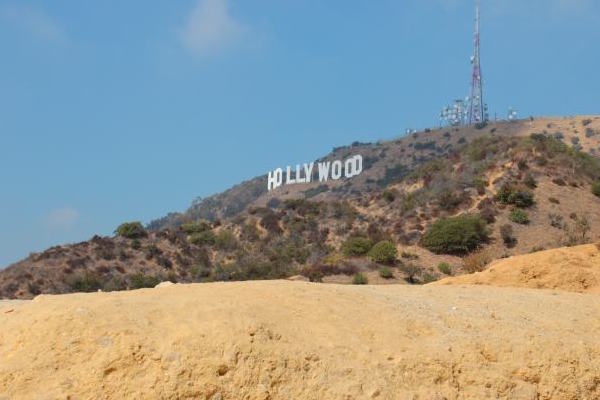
(126,110)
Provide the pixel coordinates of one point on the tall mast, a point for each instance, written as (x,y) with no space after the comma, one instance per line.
(476,110)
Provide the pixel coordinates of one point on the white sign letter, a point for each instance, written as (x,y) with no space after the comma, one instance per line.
(336,170)
(308,171)
(323,171)
(274,179)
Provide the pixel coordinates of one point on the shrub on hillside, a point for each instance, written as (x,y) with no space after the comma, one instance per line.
(195,227)
(386,273)
(530,181)
(476,262)
(384,252)
(596,189)
(389,195)
(506,231)
(456,235)
(139,281)
(445,268)
(360,279)
(131,230)
(519,216)
(226,240)
(356,246)
(203,238)
(411,271)
(519,197)
(86,282)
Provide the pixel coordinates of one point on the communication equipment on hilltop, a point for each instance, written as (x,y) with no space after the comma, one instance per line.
(513,114)
(455,114)
(472,110)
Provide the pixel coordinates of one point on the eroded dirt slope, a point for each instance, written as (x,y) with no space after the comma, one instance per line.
(574,269)
(294,340)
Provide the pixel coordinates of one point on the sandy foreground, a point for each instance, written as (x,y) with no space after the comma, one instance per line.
(297,340)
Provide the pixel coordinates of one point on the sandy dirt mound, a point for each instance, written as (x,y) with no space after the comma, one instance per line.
(297,340)
(574,269)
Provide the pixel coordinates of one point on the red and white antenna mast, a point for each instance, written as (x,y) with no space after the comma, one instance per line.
(476,110)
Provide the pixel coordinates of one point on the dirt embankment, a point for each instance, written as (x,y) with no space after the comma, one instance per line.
(574,269)
(296,340)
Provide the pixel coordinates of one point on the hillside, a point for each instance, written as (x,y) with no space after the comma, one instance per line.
(293,340)
(574,269)
(516,187)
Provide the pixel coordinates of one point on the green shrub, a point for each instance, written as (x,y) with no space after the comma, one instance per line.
(386,273)
(195,227)
(359,279)
(521,198)
(596,189)
(519,216)
(383,252)
(139,281)
(131,230)
(445,268)
(411,271)
(226,240)
(203,238)
(86,282)
(428,278)
(356,246)
(456,235)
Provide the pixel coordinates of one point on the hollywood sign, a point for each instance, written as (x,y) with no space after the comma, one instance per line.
(305,173)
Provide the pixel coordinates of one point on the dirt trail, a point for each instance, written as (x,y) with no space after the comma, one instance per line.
(297,340)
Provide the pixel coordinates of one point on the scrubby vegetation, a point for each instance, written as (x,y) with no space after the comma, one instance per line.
(445,268)
(131,230)
(596,189)
(456,235)
(356,246)
(519,216)
(360,279)
(441,191)
(386,273)
(519,197)
(384,252)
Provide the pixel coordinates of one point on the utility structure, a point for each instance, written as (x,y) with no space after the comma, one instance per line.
(477,110)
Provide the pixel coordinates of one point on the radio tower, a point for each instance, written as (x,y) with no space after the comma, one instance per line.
(476,111)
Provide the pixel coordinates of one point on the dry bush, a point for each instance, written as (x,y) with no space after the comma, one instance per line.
(476,262)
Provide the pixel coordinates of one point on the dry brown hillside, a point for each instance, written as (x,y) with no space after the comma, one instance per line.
(447,200)
(293,340)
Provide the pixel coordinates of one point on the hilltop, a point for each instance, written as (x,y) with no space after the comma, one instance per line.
(295,340)
(507,188)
